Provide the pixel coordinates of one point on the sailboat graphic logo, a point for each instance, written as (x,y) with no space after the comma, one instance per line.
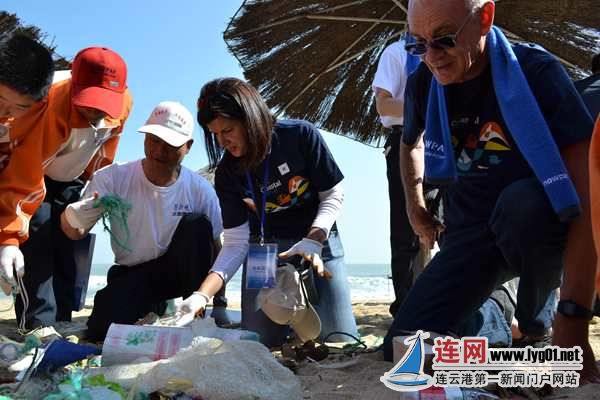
(407,375)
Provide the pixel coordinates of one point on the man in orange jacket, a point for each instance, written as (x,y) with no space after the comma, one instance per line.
(55,147)
(26,70)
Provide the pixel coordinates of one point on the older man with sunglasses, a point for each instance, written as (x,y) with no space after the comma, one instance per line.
(507,135)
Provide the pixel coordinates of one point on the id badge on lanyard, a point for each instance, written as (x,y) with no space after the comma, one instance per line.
(261,265)
(262,257)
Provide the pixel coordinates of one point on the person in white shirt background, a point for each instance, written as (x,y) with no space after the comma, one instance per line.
(388,85)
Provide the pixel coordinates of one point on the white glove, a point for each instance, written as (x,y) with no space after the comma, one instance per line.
(195,304)
(310,250)
(306,247)
(82,214)
(11,259)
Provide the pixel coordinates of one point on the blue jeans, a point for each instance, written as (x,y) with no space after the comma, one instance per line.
(522,238)
(492,321)
(334,308)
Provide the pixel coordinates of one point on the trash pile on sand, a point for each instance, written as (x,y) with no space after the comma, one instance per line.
(198,361)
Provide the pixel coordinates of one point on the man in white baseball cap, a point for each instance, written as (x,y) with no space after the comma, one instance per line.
(174,223)
(287,304)
(171,122)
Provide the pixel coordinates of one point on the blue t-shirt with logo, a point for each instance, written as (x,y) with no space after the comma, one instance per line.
(300,166)
(487,157)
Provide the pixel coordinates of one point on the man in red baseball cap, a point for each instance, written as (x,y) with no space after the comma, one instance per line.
(61,142)
(98,80)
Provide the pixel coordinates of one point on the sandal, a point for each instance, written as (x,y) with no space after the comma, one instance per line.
(308,350)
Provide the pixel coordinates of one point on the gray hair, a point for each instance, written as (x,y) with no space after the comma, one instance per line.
(473,5)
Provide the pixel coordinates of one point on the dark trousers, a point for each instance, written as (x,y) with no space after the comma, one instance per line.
(132,292)
(404,243)
(522,238)
(49,259)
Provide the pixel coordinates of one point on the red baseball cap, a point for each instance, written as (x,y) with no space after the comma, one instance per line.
(98,77)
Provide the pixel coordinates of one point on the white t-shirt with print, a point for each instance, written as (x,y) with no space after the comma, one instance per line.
(391,76)
(156,211)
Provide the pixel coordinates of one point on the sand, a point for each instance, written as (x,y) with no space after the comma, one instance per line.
(342,376)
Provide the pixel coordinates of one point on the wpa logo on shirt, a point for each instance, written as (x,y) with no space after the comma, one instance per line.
(181,209)
(434,149)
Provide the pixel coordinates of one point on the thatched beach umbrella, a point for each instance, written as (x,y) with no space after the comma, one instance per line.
(315,59)
(10,23)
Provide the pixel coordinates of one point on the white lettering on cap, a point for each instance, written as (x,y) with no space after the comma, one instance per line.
(173,124)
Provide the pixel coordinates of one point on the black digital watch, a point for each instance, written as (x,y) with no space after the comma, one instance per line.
(570,309)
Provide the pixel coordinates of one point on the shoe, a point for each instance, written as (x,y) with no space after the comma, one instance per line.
(537,342)
(44,333)
(308,350)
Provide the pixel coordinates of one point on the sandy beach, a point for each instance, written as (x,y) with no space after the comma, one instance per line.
(343,376)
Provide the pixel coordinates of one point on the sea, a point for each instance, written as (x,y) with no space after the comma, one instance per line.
(368,282)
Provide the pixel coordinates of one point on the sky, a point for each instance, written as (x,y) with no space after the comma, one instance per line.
(171,50)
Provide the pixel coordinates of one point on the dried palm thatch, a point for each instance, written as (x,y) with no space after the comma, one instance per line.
(10,23)
(315,59)
(570,29)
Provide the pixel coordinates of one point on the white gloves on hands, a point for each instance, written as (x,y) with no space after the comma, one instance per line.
(306,247)
(310,250)
(11,259)
(195,304)
(82,214)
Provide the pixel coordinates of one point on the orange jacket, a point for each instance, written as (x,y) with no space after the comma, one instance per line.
(33,143)
(595,191)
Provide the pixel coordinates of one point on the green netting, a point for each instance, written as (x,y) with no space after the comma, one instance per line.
(78,386)
(71,389)
(31,342)
(115,209)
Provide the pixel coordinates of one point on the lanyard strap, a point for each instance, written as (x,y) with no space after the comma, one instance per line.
(263,199)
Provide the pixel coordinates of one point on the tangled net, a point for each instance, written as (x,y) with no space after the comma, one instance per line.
(115,209)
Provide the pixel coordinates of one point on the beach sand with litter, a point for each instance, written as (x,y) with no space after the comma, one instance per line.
(352,378)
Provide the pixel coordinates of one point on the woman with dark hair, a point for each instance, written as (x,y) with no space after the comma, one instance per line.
(277,183)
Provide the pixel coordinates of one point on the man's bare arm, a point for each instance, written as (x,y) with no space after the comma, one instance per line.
(579,263)
(386,105)
(412,168)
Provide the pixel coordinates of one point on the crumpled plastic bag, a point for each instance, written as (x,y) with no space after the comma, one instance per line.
(214,370)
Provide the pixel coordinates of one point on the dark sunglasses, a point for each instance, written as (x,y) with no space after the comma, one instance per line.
(419,47)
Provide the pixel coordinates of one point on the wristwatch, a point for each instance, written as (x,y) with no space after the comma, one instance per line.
(570,309)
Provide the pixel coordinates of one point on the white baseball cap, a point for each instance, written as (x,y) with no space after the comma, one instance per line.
(287,304)
(171,122)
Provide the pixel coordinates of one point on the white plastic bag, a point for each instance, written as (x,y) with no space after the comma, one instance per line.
(214,370)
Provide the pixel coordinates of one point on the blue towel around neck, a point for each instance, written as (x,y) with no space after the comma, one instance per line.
(523,118)
(412,62)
